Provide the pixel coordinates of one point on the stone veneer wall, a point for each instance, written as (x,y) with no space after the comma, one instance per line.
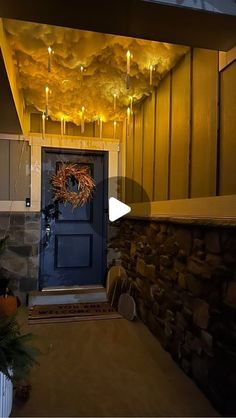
(184,282)
(21,256)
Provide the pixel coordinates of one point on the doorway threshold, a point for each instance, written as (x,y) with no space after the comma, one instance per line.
(71,288)
(62,295)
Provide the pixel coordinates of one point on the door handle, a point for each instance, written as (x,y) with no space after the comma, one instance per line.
(47,233)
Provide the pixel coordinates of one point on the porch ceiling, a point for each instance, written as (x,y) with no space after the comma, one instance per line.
(139,18)
(86,69)
(103,56)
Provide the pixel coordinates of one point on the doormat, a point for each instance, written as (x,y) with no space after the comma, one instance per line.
(70,312)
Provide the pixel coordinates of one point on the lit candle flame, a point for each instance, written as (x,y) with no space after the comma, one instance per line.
(43,125)
(131,104)
(100,125)
(114,101)
(128,115)
(114,129)
(49,58)
(46,98)
(82,73)
(128,55)
(128,120)
(62,126)
(46,92)
(82,119)
(150,74)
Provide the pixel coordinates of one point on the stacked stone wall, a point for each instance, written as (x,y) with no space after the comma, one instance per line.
(184,280)
(21,256)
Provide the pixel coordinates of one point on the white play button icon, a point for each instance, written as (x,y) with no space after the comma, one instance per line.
(117,209)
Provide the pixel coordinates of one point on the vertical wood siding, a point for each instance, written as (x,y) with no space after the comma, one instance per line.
(15,170)
(148,145)
(162,140)
(138,155)
(180,129)
(129,160)
(5,169)
(204,123)
(227,160)
(181,147)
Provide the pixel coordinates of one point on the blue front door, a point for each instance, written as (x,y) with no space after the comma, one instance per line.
(73,241)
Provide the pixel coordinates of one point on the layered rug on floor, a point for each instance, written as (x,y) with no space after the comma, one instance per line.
(88,311)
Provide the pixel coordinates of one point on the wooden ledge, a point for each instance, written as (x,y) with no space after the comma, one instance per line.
(211,211)
(226,222)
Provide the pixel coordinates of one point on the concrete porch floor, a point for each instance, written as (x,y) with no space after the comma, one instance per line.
(107,368)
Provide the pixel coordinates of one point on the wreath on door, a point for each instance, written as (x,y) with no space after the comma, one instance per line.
(79,175)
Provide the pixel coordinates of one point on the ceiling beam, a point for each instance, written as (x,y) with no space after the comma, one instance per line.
(13,96)
(135,18)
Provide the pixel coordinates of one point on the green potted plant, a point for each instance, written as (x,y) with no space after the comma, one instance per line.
(17,356)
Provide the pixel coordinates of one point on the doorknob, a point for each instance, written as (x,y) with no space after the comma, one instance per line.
(47,233)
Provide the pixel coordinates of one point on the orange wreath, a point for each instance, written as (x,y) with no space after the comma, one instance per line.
(84,181)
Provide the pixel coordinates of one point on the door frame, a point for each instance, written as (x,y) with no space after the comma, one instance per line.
(89,152)
(55,141)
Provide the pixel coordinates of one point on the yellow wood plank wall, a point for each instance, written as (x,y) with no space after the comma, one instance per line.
(129,160)
(180,129)
(204,123)
(162,139)
(227,160)
(138,156)
(148,147)
(176,151)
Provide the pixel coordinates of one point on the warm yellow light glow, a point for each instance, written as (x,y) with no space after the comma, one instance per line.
(49,58)
(43,125)
(46,99)
(114,101)
(114,129)
(106,60)
(150,74)
(63,126)
(100,126)
(128,55)
(128,115)
(82,119)
(131,104)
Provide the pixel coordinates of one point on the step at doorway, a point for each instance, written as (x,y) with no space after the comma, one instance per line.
(52,296)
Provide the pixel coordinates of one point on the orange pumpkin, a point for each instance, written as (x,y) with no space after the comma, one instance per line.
(8,305)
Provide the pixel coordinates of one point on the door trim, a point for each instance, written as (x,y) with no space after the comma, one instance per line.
(73,143)
(105,156)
